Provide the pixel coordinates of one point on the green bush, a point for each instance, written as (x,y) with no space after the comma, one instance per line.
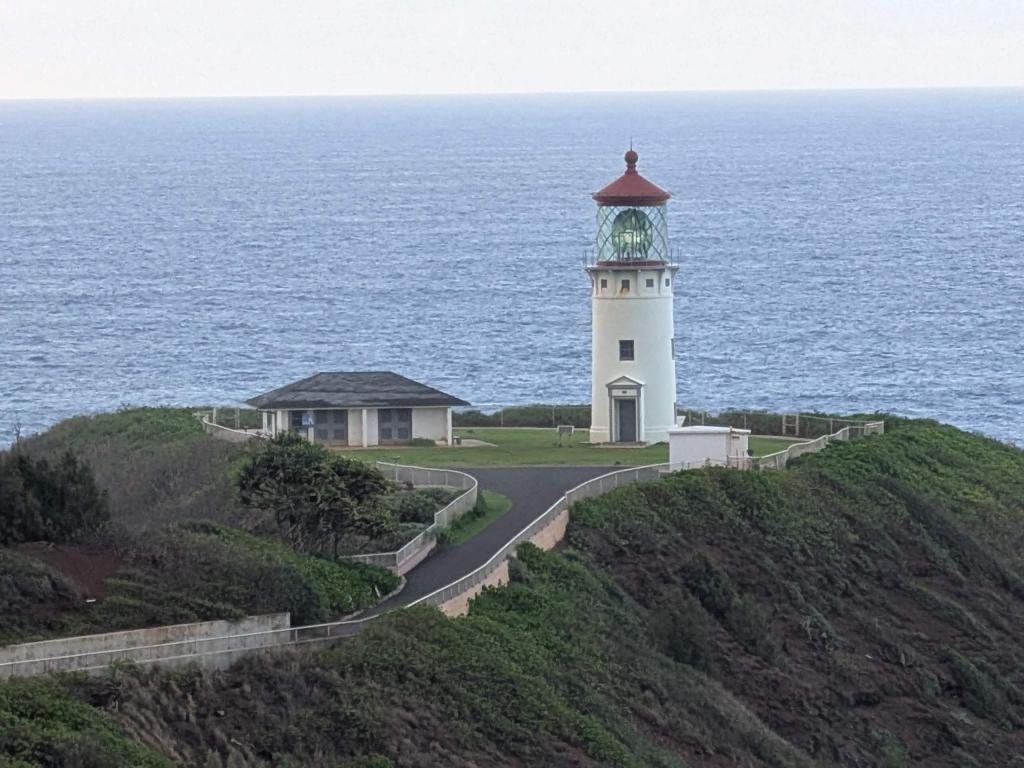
(682,629)
(312,497)
(980,691)
(417,505)
(711,585)
(34,599)
(40,501)
(43,724)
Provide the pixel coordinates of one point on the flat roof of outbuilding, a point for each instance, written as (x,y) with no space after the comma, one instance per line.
(353,389)
(706,430)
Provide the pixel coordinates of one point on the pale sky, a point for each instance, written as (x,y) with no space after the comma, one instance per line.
(165,48)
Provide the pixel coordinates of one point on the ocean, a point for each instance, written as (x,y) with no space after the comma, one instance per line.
(839,251)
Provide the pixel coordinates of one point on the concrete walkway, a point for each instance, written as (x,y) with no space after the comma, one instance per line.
(531,489)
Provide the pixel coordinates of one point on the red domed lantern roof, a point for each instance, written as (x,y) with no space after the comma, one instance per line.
(631,188)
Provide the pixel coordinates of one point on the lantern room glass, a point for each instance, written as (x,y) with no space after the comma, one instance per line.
(631,234)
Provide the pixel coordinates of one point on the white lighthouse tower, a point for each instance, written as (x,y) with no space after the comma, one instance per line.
(633,390)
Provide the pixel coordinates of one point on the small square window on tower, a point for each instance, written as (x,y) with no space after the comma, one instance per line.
(624,286)
(625,349)
(650,282)
(604,282)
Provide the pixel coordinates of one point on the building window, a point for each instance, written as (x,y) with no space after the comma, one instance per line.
(298,419)
(604,282)
(624,286)
(666,282)
(625,349)
(394,425)
(331,426)
(650,282)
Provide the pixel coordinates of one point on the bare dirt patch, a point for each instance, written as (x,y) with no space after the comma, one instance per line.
(88,568)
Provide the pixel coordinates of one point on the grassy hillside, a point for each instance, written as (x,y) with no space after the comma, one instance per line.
(867,604)
(862,608)
(184,573)
(156,565)
(156,463)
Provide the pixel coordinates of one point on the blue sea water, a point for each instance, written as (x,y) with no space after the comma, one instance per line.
(845,251)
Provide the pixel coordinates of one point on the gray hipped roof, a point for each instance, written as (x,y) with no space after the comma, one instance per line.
(353,389)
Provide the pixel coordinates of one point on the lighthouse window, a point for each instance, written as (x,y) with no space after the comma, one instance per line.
(625,349)
(604,283)
(666,282)
(624,287)
(650,282)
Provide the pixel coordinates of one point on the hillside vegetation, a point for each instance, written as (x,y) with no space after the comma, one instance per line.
(152,511)
(156,464)
(188,572)
(862,608)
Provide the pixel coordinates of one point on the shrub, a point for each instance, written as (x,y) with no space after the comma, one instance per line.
(681,628)
(313,497)
(41,724)
(53,502)
(711,585)
(980,692)
(417,505)
(748,622)
(34,599)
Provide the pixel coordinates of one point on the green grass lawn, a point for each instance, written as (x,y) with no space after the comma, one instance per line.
(762,446)
(521,446)
(470,524)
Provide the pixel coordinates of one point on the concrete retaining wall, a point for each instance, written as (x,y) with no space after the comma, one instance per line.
(143,645)
(553,533)
(459,605)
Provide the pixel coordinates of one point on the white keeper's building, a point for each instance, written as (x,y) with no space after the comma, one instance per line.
(633,389)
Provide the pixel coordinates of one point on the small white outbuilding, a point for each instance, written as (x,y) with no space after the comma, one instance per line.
(696,445)
(358,408)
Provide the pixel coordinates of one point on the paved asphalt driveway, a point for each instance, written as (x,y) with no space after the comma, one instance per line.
(531,489)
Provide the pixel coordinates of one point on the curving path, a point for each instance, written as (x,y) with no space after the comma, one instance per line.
(531,489)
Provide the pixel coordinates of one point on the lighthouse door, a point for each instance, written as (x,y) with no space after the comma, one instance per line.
(625,420)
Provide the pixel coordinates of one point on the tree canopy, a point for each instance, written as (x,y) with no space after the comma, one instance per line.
(40,501)
(314,497)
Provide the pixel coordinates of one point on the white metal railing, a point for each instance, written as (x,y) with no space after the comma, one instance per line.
(221,432)
(780,459)
(443,518)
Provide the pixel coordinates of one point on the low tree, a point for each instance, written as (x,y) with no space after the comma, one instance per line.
(314,498)
(53,502)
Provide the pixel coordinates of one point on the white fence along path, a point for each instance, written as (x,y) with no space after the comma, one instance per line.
(415,551)
(545,531)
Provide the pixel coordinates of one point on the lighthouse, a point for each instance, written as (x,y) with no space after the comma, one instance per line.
(633,387)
